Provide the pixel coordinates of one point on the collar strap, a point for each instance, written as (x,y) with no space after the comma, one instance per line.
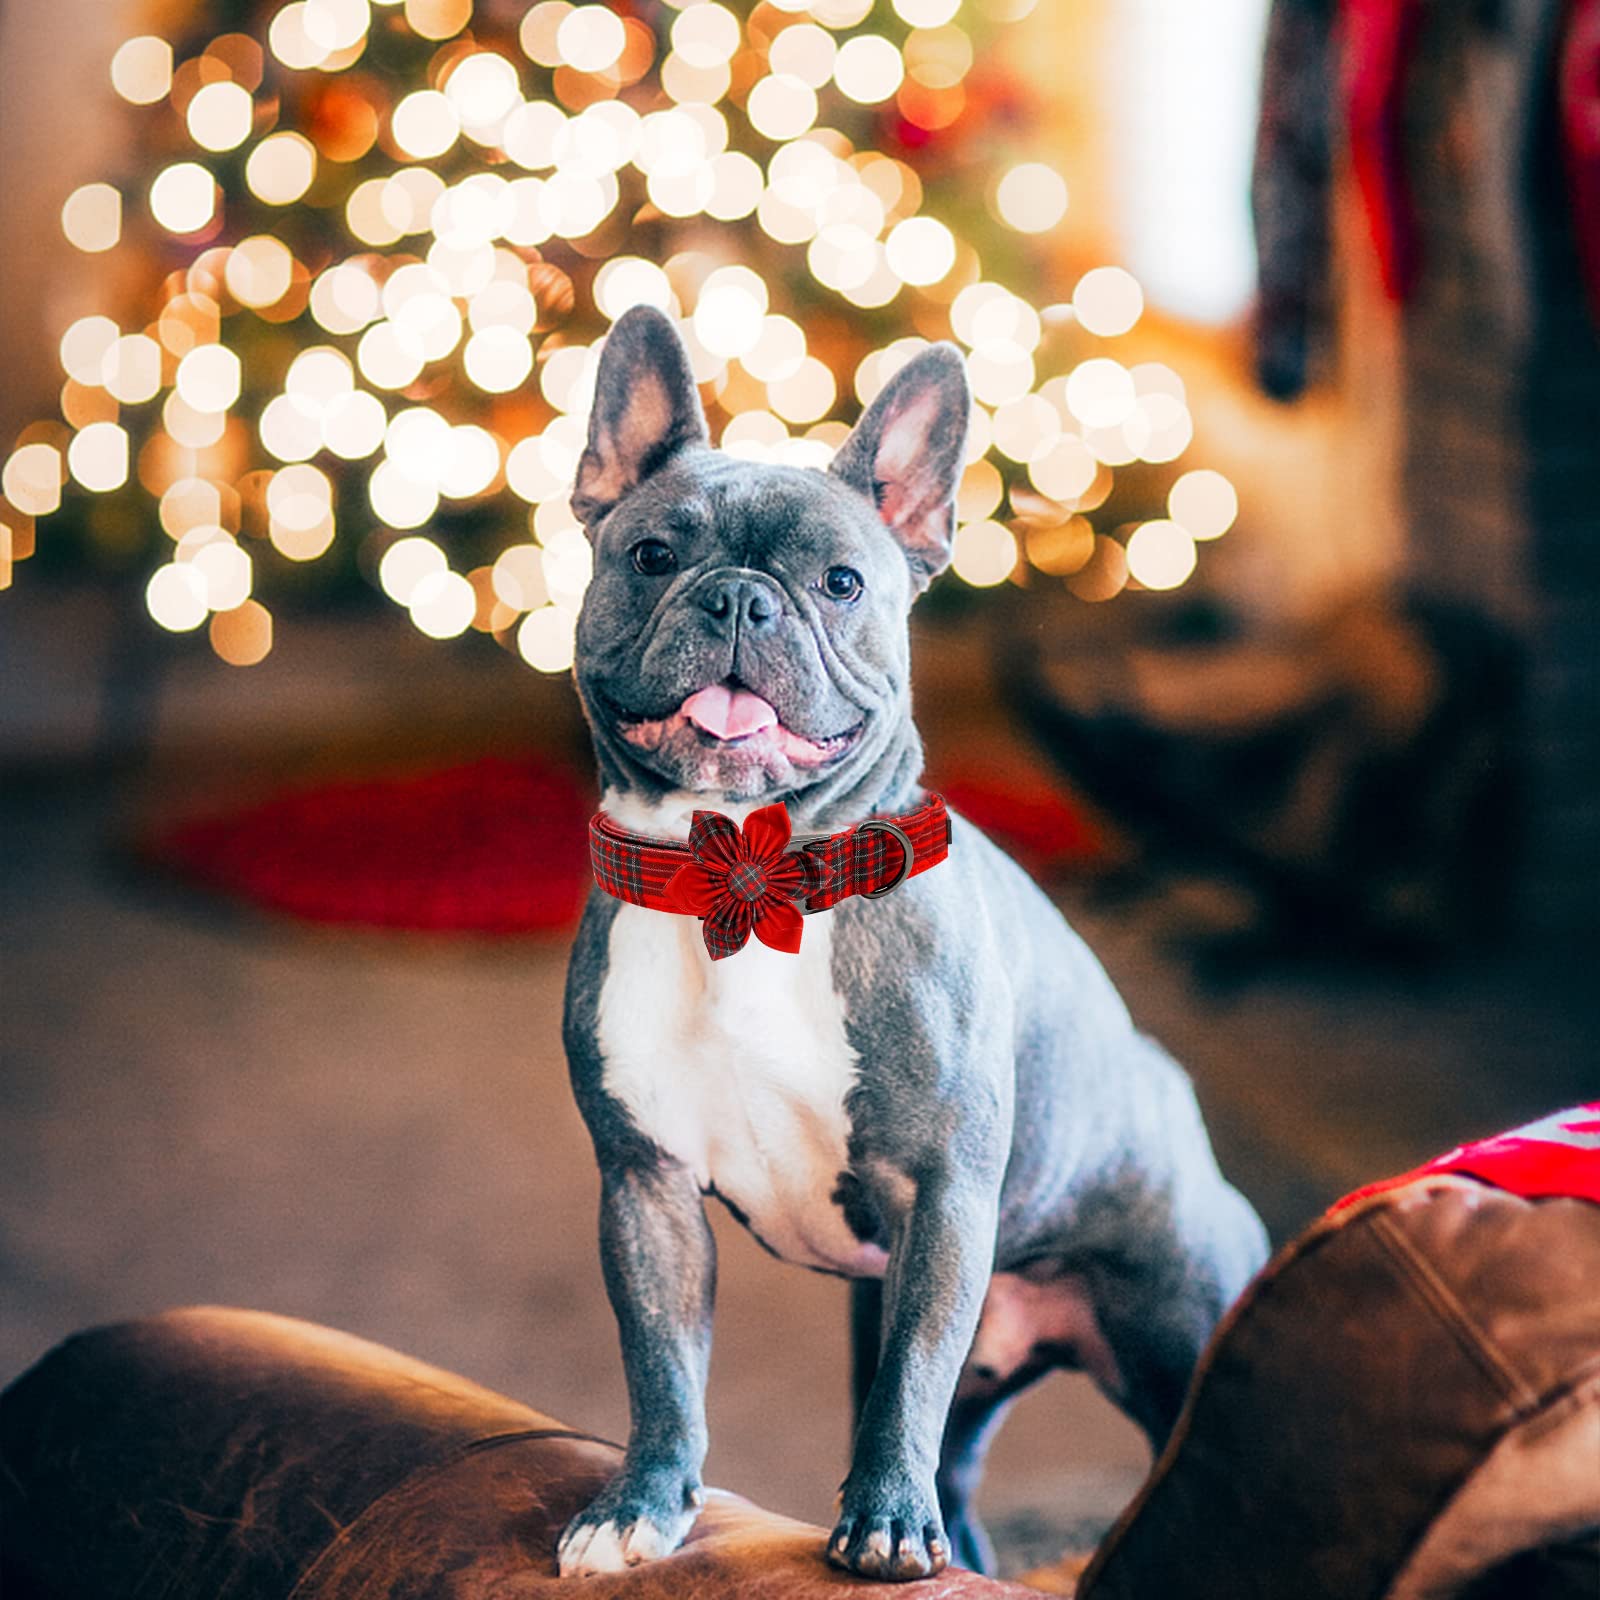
(761,879)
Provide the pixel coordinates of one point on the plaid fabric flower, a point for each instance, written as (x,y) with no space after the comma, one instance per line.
(746,882)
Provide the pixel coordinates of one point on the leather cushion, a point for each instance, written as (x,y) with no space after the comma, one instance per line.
(224,1454)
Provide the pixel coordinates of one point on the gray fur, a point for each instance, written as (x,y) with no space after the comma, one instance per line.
(1006,1113)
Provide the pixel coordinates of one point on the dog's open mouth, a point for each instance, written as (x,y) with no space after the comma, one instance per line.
(732,716)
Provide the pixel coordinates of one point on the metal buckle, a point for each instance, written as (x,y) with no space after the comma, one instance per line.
(797,843)
(907,848)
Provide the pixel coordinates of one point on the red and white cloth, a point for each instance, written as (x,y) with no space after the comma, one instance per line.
(1558,1155)
(749,880)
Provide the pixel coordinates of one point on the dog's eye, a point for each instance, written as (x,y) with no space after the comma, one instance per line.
(841,583)
(653,558)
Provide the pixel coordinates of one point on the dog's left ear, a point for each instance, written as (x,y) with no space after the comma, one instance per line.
(906,455)
(646,409)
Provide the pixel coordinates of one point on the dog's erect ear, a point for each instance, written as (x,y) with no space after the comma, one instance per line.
(907,453)
(646,409)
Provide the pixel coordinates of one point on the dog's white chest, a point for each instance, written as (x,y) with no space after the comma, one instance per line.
(739,1069)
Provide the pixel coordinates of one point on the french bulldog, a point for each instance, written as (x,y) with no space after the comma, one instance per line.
(941,1096)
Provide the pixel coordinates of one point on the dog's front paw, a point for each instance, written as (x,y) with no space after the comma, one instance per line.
(889,1528)
(626,1525)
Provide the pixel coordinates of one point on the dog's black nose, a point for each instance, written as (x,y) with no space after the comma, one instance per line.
(743,603)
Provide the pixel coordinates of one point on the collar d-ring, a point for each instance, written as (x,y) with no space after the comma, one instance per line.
(908,851)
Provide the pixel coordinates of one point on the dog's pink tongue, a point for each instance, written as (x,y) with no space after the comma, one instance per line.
(727,713)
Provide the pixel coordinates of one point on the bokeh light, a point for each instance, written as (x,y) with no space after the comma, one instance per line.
(985,554)
(1204,502)
(91,218)
(141,70)
(1161,555)
(1031,197)
(1108,301)
(220,116)
(280,169)
(183,197)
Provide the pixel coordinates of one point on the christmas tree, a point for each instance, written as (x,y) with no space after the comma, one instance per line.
(373,246)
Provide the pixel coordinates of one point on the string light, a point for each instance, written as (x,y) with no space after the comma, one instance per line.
(462,293)
(91,218)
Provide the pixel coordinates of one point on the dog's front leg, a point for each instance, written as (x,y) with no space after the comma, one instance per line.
(889,1524)
(660,1270)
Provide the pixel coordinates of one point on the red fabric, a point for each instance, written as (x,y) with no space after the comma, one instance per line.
(1047,831)
(749,881)
(1557,1155)
(1379,38)
(492,846)
(1579,87)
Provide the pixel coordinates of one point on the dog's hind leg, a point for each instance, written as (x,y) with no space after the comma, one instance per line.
(982,1399)
(866,1341)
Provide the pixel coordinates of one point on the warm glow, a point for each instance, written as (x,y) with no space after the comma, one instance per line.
(291,40)
(498,360)
(425,124)
(805,51)
(927,13)
(259,271)
(920,250)
(406,563)
(1100,392)
(628,281)
(31,480)
(84,346)
(483,89)
(443,604)
(280,168)
(778,351)
(141,70)
(336,24)
(390,356)
(985,554)
(354,424)
(226,570)
(1032,198)
(131,369)
(183,197)
(519,578)
(590,38)
(1161,555)
(91,218)
(175,597)
(1065,471)
(706,35)
(242,637)
(344,299)
(287,431)
(1026,428)
(868,69)
(732,307)
(805,394)
(438,19)
(1108,301)
(399,500)
(220,116)
(781,107)
(1204,502)
(98,457)
(209,377)
(545,638)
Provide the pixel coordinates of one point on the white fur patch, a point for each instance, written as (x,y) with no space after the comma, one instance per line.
(737,1068)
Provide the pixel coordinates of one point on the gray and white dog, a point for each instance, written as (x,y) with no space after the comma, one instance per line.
(941,1096)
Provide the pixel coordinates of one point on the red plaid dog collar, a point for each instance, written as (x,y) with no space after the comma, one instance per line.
(761,880)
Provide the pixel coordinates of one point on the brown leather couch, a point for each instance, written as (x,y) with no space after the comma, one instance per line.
(1405,1405)
(215,1454)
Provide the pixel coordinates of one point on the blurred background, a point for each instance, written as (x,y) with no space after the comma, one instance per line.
(1269,644)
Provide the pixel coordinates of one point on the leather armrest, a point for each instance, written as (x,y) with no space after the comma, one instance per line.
(225,1454)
